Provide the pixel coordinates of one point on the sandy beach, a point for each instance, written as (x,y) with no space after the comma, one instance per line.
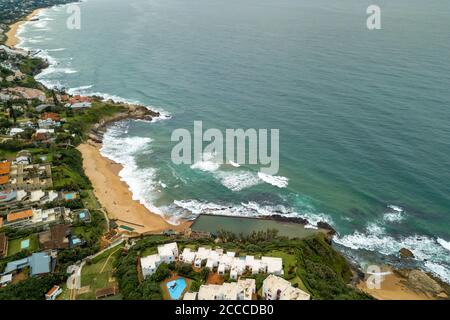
(393,287)
(12,39)
(115,196)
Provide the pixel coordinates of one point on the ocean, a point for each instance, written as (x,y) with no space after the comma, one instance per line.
(363,115)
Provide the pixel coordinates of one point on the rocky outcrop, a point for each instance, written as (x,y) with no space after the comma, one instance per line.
(131,111)
(406,253)
(326,226)
(419,280)
(281,218)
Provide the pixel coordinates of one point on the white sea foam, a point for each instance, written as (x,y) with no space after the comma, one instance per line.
(206,164)
(192,208)
(277,181)
(81,90)
(234,164)
(141,181)
(439,270)
(394,214)
(424,248)
(56,50)
(443,243)
(237,181)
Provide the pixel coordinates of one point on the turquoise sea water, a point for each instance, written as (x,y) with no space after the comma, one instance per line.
(363,115)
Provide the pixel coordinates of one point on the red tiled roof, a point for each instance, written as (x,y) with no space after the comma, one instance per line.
(4,180)
(19,215)
(50,115)
(5,167)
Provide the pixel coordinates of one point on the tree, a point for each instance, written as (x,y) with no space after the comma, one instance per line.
(161,273)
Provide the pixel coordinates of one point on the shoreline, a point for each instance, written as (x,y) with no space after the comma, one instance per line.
(116,198)
(399,285)
(12,38)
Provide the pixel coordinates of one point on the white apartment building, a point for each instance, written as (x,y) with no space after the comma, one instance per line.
(241,290)
(276,288)
(167,253)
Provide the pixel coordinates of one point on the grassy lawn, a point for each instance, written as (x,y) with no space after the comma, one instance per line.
(63,176)
(65,294)
(9,155)
(288,262)
(89,200)
(98,274)
(14,244)
(149,251)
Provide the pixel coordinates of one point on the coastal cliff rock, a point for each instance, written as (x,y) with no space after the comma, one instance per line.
(131,111)
(326,226)
(419,280)
(281,218)
(406,253)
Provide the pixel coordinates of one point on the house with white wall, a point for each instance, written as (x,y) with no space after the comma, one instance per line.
(276,288)
(167,253)
(149,264)
(243,289)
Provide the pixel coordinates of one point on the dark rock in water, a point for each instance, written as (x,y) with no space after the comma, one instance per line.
(281,218)
(326,226)
(406,253)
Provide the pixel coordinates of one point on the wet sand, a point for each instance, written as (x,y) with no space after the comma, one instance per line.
(115,196)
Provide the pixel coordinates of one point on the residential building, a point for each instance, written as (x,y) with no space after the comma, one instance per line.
(5,170)
(48,124)
(276,288)
(56,238)
(50,116)
(243,289)
(81,105)
(30,177)
(167,253)
(19,218)
(149,265)
(15,131)
(35,217)
(105,292)
(187,256)
(5,280)
(229,262)
(53,293)
(190,296)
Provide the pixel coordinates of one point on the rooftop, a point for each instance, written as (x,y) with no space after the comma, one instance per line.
(11,217)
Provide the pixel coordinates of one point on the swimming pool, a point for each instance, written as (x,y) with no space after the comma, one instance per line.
(25,244)
(176,288)
(70,196)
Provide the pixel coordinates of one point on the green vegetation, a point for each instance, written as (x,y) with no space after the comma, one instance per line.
(80,122)
(98,273)
(310,264)
(14,244)
(68,175)
(33,288)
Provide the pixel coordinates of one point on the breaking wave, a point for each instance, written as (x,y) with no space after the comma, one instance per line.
(123,149)
(429,251)
(277,181)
